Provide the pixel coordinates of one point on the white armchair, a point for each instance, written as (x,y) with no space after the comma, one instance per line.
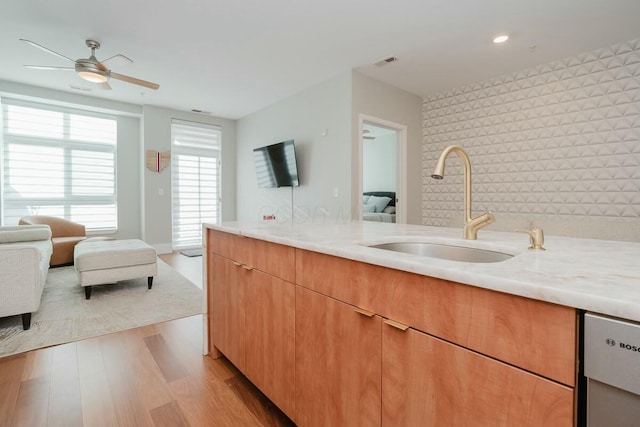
(25,251)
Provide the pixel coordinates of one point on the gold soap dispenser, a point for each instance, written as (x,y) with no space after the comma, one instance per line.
(536,237)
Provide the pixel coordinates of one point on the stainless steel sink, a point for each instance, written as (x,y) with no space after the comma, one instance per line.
(448,252)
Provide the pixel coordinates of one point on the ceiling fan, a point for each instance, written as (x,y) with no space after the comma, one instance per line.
(365,135)
(93,70)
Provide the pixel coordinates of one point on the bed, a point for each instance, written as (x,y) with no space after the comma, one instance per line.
(379,206)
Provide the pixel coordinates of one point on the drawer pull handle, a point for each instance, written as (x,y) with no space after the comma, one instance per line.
(364,312)
(396,325)
(246,267)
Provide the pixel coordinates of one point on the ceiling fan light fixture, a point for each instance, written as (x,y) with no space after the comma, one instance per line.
(94,71)
(93,77)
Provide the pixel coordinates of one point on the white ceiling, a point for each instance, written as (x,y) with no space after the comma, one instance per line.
(234,57)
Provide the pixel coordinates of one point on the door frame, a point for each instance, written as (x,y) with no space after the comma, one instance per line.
(401,164)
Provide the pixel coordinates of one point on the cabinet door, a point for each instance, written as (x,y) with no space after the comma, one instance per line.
(338,363)
(270,337)
(272,258)
(226,311)
(430,382)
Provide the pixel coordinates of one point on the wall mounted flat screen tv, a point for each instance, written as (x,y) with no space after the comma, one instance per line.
(276,165)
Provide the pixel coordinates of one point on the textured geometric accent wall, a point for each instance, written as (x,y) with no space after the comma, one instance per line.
(558,141)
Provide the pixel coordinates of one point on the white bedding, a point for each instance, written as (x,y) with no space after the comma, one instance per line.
(378,217)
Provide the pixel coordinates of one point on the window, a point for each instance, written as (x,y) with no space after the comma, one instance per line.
(195,192)
(60,162)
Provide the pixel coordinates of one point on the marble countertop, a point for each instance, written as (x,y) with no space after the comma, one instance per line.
(602,276)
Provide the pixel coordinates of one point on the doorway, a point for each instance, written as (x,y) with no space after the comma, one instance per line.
(382,161)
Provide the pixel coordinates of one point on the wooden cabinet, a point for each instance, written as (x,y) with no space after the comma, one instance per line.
(534,335)
(441,375)
(356,368)
(277,260)
(270,337)
(338,363)
(226,312)
(336,342)
(251,313)
(430,382)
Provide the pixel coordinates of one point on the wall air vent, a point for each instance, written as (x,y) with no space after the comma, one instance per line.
(195,110)
(385,61)
(84,89)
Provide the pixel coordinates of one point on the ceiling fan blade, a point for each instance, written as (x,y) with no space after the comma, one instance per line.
(104,86)
(46,49)
(116,61)
(135,81)
(48,67)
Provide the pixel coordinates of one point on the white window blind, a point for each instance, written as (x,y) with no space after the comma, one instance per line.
(195,176)
(58,161)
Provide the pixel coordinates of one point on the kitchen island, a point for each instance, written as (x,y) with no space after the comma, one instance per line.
(335,332)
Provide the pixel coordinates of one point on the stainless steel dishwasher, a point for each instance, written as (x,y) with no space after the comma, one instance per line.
(612,370)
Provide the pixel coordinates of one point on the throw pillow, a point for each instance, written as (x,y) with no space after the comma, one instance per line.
(369,208)
(379,202)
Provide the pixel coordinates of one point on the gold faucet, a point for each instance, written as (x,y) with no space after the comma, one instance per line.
(471,225)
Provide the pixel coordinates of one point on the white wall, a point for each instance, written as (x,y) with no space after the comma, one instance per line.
(324,162)
(379,163)
(556,146)
(156,215)
(374,98)
(128,173)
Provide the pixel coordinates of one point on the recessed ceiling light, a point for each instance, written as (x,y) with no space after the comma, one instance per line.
(501,38)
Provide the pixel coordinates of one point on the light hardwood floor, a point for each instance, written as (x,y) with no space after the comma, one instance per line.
(150,376)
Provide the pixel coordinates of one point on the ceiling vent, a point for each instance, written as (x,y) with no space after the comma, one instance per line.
(385,61)
(195,110)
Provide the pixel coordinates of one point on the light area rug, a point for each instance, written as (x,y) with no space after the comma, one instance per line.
(65,315)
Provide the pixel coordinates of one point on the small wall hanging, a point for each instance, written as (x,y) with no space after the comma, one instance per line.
(157,161)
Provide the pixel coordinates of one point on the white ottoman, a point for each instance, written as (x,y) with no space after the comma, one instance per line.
(109,261)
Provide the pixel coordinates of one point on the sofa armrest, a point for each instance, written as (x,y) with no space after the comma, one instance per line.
(24,271)
(24,233)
